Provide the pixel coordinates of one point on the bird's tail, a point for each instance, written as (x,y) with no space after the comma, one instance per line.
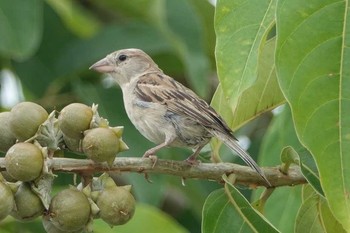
(233,145)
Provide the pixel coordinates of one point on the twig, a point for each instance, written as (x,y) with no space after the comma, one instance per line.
(208,171)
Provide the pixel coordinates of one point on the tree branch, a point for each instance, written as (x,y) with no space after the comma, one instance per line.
(208,171)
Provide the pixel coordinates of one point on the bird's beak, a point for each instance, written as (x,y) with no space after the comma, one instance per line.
(103,66)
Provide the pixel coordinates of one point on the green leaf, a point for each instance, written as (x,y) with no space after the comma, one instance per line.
(288,157)
(309,170)
(76,18)
(312,61)
(308,219)
(282,207)
(307,164)
(20,28)
(146,219)
(314,215)
(241,28)
(262,96)
(330,224)
(233,213)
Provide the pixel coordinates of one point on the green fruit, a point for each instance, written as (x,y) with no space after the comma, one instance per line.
(101,144)
(6,199)
(7,176)
(26,119)
(74,119)
(117,205)
(7,138)
(51,228)
(28,204)
(24,161)
(69,210)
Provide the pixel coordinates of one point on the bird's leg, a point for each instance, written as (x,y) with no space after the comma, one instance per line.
(153,150)
(151,153)
(192,159)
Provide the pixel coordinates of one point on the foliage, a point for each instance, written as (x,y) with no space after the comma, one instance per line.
(267,53)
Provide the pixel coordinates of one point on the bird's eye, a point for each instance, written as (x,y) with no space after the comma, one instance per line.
(122,57)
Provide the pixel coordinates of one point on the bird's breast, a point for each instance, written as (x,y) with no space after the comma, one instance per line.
(148,118)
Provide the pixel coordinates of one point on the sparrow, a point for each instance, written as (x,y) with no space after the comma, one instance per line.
(165,111)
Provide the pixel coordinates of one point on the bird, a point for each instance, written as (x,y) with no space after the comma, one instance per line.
(165,111)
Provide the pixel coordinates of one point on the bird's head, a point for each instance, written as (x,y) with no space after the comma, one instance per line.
(126,64)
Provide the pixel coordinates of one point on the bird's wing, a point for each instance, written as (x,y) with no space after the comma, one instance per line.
(162,89)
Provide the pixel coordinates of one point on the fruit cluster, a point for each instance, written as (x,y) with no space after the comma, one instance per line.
(31,137)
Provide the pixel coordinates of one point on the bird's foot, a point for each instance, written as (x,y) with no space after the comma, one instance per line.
(149,154)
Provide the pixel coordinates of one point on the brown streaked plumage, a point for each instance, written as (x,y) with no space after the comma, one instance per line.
(163,110)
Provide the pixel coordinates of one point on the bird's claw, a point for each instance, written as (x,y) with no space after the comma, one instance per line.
(154,159)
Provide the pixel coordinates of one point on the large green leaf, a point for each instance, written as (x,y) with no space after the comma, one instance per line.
(229,211)
(20,27)
(312,63)
(260,97)
(241,28)
(314,215)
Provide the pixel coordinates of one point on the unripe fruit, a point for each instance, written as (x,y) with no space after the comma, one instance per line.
(51,228)
(7,138)
(28,204)
(69,210)
(101,144)
(6,199)
(26,119)
(7,176)
(74,119)
(24,161)
(117,205)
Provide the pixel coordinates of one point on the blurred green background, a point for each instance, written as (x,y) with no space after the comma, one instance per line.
(46,48)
